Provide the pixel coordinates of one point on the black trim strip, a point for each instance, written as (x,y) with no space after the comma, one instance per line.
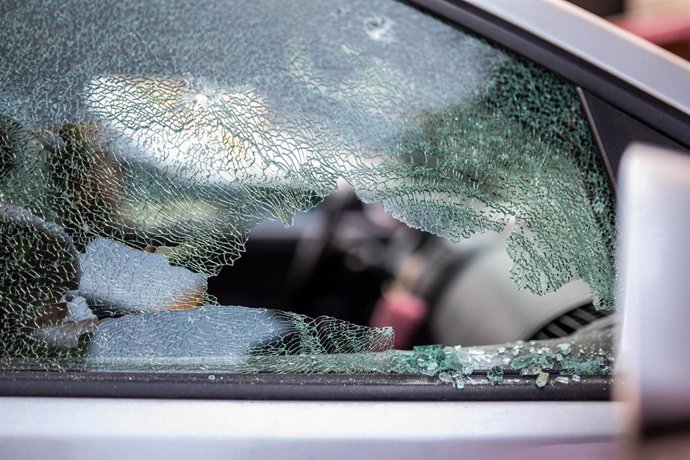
(328,387)
(614,131)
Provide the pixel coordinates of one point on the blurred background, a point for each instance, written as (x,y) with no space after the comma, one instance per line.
(352,261)
(664,22)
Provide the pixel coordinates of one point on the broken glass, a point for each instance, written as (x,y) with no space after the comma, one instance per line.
(141,141)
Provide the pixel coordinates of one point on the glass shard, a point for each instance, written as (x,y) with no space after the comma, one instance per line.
(542,379)
(495,375)
(120,279)
(227,338)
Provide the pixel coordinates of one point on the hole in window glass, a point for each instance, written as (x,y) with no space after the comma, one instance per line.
(435,189)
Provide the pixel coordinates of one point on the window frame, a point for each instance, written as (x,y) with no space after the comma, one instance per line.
(664,121)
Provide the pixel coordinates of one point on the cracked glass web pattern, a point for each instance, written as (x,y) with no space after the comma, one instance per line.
(141,141)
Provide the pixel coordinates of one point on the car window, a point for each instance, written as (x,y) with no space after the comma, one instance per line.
(142,141)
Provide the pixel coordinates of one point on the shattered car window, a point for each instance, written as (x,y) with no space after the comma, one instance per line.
(140,142)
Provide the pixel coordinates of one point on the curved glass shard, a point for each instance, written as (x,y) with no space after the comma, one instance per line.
(225,337)
(120,279)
